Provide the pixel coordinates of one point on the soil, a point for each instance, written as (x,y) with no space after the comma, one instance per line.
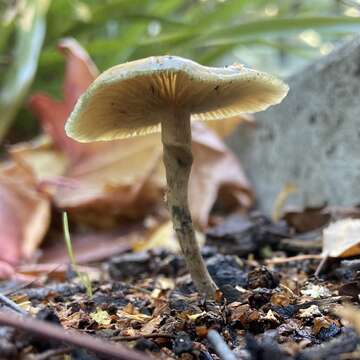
(265,308)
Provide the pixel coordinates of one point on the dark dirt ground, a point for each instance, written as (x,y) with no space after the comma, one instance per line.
(266,308)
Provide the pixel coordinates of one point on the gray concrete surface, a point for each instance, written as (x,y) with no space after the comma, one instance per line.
(312,139)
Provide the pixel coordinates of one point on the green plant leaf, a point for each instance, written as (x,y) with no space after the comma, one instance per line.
(30,32)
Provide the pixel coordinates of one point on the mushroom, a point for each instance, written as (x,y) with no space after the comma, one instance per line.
(166,93)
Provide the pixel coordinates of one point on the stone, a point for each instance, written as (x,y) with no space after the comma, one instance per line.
(312,139)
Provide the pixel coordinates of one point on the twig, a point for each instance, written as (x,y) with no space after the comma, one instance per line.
(220,346)
(277,261)
(12,305)
(321,265)
(146,336)
(48,330)
(322,302)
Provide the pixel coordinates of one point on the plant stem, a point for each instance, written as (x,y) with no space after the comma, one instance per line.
(176,139)
(83,276)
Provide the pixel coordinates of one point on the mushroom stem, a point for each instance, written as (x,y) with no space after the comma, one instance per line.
(176,139)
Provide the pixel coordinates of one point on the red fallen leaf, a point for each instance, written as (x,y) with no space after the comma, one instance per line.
(24,214)
(80,71)
(6,270)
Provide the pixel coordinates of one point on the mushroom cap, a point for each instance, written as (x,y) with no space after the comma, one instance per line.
(132,98)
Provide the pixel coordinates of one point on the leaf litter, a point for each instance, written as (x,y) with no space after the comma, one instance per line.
(142,295)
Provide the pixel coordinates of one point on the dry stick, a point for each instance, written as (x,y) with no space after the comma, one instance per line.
(220,346)
(276,261)
(12,305)
(176,139)
(321,265)
(48,330)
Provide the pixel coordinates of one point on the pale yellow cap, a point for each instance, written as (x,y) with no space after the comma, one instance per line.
(132,98)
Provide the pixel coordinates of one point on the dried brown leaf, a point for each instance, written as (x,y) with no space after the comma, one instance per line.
(24,214)
(216,172)
(227,127)
(351,315)
(342,238)
(164,237)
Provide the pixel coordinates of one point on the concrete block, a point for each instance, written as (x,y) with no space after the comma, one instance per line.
(312,139)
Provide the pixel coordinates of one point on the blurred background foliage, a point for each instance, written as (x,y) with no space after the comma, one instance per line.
(276,36)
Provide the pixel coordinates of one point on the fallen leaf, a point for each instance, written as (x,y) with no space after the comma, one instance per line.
(101,317)
(194,317)
(164,237)
(102,182)
(89,248)
(6,270)
(136,316)
(316,291)
(243,313)
(308,219)
(280,299)
(216,172)
(93,179)
(152,325)
(309,312)
(117,181)
(164,283)
(69,321)
(80,71)
(24,214)
(304,220)
(40,157)
(351,315)
(350,288)
(320,323)
(201,331)
(56,271)
(272,317)
(225,128)
(342,238)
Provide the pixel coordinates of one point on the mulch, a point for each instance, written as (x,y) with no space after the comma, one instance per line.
(269,304)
